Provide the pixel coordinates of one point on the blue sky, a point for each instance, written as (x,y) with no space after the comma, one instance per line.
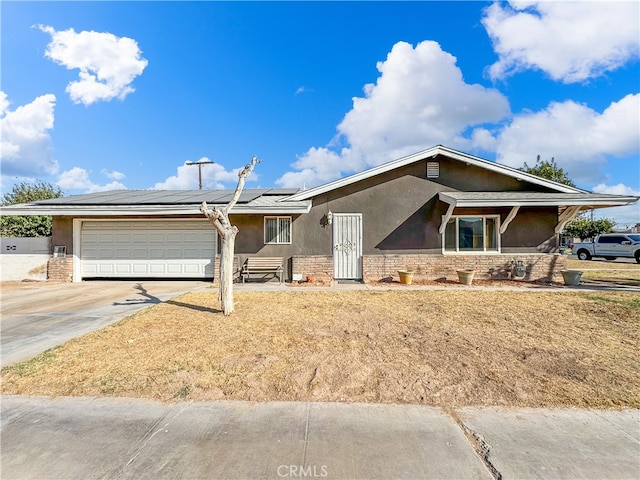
(110,95)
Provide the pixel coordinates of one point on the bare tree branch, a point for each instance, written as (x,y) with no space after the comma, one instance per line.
(242,175)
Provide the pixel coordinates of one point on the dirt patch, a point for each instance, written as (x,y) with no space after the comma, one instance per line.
(447,348)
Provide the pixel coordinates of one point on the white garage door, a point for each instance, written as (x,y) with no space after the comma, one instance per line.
(156,249)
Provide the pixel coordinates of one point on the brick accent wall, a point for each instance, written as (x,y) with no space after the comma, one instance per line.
(318,266)
(60,269)
(432,267)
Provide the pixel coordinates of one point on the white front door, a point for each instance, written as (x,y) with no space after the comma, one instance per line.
(347,246)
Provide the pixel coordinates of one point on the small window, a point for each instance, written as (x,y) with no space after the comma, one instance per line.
(471,234)
(277,230)
(433,169)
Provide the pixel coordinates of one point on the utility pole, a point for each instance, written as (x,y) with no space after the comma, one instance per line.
(199,164)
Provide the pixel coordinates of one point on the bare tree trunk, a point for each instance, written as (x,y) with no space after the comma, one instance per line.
(226,272)
(220,219)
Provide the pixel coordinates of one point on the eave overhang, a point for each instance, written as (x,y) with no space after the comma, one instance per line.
(534,199)
(571,204)
(150,210)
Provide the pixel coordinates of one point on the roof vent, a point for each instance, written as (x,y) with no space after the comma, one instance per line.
(433,169)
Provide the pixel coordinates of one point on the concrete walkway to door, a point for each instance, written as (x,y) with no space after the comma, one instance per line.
(36,316)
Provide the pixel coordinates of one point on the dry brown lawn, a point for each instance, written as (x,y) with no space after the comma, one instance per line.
(607,272)
(447,348)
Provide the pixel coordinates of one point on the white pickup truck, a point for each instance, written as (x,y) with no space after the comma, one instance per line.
(609,246)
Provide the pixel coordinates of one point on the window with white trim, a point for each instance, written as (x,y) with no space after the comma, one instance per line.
(277,230)
(471,234)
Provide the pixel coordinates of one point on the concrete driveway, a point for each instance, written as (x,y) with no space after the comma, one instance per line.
(36,316)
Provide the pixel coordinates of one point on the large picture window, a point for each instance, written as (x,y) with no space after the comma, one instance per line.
(277,230)
(471,234)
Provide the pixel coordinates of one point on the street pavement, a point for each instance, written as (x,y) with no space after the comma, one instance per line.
(118,438)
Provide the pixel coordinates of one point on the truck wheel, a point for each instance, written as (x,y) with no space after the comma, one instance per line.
(638,256)
(584,255)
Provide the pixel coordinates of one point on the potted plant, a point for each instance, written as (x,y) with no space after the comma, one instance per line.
(406,276)
(466,276)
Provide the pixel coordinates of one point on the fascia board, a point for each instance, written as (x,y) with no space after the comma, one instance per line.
(430,153)
(138,210)
(372,172)
(505,170)
(552,202)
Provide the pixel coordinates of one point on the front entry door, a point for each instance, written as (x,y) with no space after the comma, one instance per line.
(347,246)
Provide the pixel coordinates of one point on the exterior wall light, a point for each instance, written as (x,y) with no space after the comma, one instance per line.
(329,217)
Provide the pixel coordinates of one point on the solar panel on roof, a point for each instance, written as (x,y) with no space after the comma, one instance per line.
(162,197)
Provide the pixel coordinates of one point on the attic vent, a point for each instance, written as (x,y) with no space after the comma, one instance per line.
(433,169)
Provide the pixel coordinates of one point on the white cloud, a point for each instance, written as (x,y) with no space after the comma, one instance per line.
(113,174)
(419,100)
(579,138)
(570,41)
(26,148)
(624,216)
(78,179)
(108,64)
(213,176)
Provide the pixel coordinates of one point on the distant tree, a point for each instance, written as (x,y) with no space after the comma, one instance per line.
(549,170)
(30,225)
(584,228)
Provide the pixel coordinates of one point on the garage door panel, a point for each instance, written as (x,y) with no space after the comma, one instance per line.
(194,237)
(139,238)
(139,269)
(124,253)
(123,268)
(174,237)
(174,269)
(140,254)
(192,269)
(156,268)
(151,248)
(106,238)
(123,238)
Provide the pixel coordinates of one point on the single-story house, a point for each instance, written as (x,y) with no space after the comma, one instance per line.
(435,211)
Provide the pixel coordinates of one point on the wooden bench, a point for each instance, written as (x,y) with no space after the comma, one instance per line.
(255,265)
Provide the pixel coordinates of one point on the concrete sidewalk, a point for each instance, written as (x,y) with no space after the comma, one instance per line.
(80,438)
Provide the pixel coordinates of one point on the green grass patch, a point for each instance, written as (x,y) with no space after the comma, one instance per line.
(27,367)
(632,302)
